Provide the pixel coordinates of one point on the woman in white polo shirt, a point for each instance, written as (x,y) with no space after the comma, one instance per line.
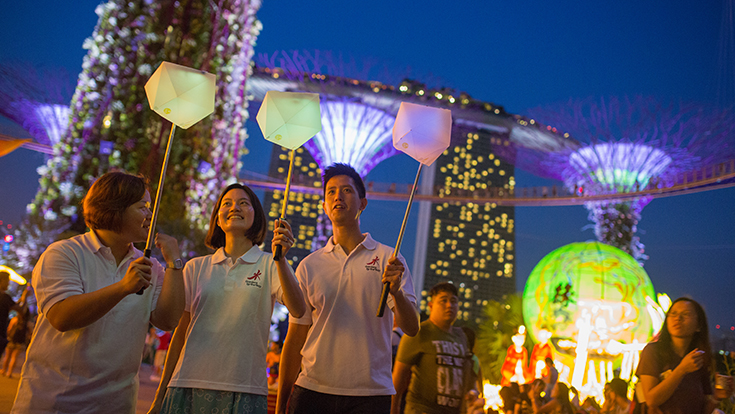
(217,358)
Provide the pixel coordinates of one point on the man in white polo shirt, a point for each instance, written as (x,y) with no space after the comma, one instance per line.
(89,338)
(346,349)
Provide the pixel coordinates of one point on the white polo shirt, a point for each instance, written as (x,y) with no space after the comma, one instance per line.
(231,307)
(93,369)
(348,348)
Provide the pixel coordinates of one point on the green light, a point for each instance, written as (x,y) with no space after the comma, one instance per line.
(589,277)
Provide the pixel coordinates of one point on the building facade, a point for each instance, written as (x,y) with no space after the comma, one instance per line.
(469,244)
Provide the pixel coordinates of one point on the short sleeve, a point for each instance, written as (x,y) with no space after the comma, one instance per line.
(649,363)
(274,280)
(301,276)
(189,284)
(409,350)
(56,277)
(161,272)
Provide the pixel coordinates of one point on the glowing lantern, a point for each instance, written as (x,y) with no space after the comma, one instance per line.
(289,119)
(180,94)
(516,360)
(183,96)
(14,276)
(537,365)
(596,301)
(423,133)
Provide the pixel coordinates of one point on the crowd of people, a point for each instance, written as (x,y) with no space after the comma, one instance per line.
(98,296)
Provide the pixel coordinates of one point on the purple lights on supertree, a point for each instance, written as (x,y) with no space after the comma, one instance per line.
(632,145)
(352,133)
(36,101)
(610,168)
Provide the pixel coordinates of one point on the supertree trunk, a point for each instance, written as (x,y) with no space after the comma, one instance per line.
(616,224)
(233,37)
(111,125)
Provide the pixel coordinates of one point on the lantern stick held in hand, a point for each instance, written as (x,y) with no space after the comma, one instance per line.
(289,119)
(183,96)
(423,133)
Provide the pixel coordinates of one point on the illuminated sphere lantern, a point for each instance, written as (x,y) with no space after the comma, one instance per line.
(599,305)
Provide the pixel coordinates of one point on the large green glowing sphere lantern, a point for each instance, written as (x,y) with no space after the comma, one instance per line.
(590,286)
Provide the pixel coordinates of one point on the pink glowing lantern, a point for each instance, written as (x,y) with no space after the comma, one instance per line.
(423,133)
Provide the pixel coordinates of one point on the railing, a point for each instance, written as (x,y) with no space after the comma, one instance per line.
(707,178)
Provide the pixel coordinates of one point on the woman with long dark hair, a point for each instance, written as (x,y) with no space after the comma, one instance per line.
(216,361)
(675,369)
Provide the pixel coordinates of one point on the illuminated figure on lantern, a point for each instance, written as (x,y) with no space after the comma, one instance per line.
(537,367)
(516,360)
(598,304)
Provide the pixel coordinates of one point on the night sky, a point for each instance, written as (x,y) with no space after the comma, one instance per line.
(519,54)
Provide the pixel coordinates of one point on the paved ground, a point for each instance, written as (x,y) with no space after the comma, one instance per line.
(9,386)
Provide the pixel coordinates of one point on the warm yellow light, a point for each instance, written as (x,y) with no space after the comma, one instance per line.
(14,276)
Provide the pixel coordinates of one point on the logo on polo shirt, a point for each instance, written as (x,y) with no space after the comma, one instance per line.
(253,280)
(373,264)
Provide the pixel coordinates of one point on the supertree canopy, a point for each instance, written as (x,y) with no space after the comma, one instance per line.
(352,133)
(111,126)
(36,100)
(599,305)
(626,145)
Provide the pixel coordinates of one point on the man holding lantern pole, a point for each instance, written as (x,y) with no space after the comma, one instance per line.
(345,350)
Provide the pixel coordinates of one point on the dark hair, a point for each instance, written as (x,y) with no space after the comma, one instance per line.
(443,287)
(562,397)
(343,169)
(4,275)
(108,198)
(536,381)
(618,386)
(700,340)
(256,233)
(549,361)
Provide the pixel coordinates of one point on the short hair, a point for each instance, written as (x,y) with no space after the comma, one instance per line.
(256,233)
(4,275)
(343,169)
(443,287)
(105,203)
(549,361)
(618,386)
(538,381)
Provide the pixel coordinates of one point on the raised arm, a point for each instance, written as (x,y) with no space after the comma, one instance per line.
(293,298)
(172,358)
(79,311)
(171,301)
(290,364)
(658,392)
(406,314)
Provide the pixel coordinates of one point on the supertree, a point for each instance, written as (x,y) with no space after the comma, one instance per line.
(110,125)
(630,145)
(35,99)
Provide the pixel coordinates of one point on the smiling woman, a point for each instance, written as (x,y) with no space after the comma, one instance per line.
(217,356)
(87,307)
